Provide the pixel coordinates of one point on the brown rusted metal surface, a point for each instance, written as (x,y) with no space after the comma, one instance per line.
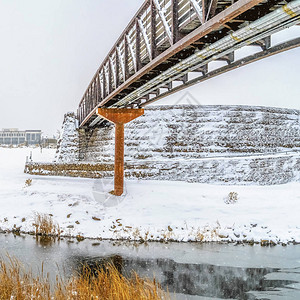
(119,117)
(119,159)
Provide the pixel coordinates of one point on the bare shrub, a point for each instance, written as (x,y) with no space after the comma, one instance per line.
(232,198)
(28,182)
(199,235)
(45,226)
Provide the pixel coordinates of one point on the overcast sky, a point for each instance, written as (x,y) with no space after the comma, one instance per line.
(50,50)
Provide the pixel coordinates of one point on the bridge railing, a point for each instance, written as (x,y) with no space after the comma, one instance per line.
(156,27)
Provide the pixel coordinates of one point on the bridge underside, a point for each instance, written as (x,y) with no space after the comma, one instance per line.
(149,59)
(167,41)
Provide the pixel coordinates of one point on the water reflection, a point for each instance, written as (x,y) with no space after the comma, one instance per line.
(46,241)
(194,279)
(208,270)
(95,264)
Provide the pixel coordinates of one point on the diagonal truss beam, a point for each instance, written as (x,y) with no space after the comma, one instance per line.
(145,37)
(114,74)
(164,21)
(131,52)
(198,9)
(122,62)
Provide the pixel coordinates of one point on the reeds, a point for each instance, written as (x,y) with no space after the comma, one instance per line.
(104,282)
(45,226)
(17,284)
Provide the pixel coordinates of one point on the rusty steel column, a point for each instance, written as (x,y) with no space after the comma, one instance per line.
(119,116)
(119,159)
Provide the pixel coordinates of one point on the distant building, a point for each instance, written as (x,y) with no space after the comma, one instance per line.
(33,137)
(13,136)
(49,142)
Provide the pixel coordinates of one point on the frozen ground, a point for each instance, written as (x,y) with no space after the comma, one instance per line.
(150,209)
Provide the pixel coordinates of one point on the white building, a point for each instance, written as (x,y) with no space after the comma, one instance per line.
(13,136)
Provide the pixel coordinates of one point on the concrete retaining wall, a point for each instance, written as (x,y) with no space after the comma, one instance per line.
(265,170)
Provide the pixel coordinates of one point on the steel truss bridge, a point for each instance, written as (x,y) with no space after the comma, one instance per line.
(168,40)
(164,43)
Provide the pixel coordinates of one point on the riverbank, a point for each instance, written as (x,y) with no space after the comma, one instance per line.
(150,210)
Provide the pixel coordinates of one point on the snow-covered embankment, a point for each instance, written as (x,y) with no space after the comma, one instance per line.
(151,210)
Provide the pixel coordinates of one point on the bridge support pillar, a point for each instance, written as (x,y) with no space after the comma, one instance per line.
(119,116)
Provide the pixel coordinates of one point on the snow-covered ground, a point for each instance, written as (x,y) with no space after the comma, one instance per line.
(151,210)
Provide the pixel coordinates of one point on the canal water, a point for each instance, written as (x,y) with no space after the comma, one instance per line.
(189,270)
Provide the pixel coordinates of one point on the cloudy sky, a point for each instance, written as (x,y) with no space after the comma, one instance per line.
(50,49)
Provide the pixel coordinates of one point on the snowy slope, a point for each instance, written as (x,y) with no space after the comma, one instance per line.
(150,209)
(68,142)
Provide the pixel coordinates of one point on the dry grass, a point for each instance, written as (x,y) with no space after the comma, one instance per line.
(17,284)
(28,182)
(232,198)
(109,284)
(45,226)
(102,283)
